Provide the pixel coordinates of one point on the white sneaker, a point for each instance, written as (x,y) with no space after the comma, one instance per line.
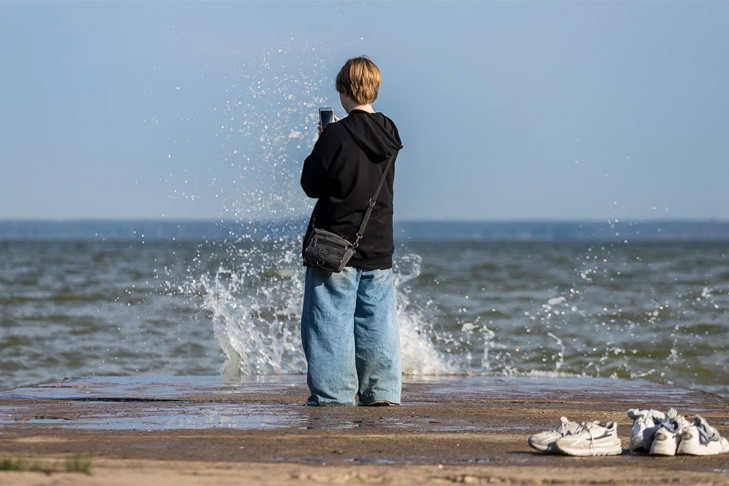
(645,423)
(668,434)
(544,441)
(701,439)
(593,440)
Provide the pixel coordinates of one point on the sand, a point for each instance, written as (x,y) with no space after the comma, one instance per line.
(187,430)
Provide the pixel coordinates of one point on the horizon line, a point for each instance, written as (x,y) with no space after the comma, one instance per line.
(396,220)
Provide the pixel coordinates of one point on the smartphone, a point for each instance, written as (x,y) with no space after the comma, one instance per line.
(326,114)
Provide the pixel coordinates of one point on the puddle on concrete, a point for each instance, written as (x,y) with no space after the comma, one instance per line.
(366,460)
(210,415)
(46,421)
(152,388)
(549,386)
(223,416)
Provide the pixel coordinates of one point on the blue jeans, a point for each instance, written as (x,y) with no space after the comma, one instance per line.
(350,336)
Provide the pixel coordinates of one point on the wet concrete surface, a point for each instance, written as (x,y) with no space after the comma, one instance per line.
(456,420)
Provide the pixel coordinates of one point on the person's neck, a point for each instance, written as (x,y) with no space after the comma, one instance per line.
(367,108)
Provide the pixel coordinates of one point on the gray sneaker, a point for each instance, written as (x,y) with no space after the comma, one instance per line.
(544,441)
(593,440)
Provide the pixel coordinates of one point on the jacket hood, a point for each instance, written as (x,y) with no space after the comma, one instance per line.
(376,134)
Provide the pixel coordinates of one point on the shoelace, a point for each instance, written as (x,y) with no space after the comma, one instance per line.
(563,428)
(589,431)
(645,415)
(706,434)
(670,425)
(647,420)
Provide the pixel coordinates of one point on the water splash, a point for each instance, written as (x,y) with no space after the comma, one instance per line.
(560,354)
(417,335)
(255,304)
(255,307)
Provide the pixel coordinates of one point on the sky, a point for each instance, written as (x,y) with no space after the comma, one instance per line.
(507,110)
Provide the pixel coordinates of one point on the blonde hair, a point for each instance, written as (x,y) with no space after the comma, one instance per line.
(359,79)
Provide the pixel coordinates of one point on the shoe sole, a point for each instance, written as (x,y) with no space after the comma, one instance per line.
(700,452)
(662,452)
(612,450)
(539,447)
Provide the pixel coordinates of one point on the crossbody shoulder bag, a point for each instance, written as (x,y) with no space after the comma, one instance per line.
(331,252)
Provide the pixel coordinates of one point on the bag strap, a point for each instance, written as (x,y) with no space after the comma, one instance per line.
(372,202)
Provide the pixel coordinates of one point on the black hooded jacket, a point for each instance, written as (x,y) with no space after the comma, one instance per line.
(342,172)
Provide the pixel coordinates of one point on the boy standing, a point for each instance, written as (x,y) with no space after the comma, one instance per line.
(349,325)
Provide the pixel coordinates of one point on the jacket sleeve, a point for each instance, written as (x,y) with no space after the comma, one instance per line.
(314,173)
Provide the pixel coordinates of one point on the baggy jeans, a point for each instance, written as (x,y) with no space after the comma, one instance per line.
(350,336)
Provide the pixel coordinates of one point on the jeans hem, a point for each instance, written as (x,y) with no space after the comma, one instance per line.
(313,402)
(393,401)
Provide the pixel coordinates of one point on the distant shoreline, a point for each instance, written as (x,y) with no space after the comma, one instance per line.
(405,230)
